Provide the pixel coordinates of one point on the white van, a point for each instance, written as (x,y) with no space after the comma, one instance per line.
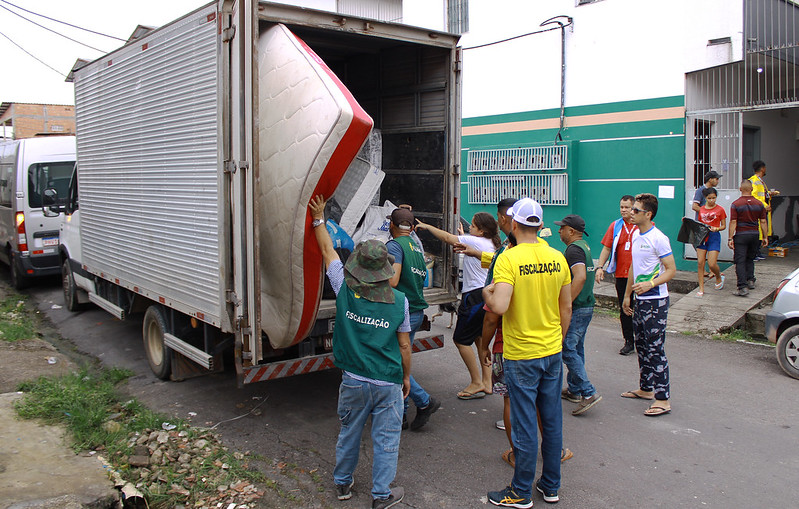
(28,231)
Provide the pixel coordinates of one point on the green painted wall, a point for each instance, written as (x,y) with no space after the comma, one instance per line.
(602,166)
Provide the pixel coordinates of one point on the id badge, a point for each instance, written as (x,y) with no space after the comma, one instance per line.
(627,246)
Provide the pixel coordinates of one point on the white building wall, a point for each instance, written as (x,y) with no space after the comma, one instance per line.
(617,50)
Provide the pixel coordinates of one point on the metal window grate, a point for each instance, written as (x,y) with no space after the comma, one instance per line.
(552,189)
(713,143)
(522,158)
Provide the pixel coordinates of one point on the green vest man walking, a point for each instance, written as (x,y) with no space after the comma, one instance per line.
(581,265)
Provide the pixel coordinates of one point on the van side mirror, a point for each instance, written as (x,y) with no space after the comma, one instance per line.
(50,205)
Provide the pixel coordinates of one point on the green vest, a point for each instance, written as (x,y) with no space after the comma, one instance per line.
(365,338)
(414,270)
(490,276)
(585,299)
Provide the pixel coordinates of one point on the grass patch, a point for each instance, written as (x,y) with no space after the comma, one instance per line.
(16,320)
(97,417)
(739,335)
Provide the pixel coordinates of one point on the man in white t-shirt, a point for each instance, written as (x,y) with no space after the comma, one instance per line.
(652,267)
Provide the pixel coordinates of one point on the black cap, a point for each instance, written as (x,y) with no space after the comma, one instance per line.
(402,217)
(574,221)
(712,174)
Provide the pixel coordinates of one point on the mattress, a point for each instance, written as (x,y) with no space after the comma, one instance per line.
(310,129)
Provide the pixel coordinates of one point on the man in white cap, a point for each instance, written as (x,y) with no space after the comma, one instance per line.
(532,292)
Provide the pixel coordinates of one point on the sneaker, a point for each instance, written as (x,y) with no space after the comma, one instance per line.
(509,498)
(759,257)
(500,424)
(750,284)
(404,421)
(627,349)
(586,403)
(741,292)
(719,286)
(550,496)
(344,491)
(569,396)
(392,500)
(423,414)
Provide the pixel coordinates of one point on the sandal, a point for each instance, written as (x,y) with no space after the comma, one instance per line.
(720,285)
(700,294)
(654,411)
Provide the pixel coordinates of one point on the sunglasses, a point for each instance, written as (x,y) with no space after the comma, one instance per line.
(636,210)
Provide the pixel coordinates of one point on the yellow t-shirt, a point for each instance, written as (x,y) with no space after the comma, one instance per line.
(531,325)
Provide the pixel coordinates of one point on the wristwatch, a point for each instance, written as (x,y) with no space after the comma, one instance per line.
(317,222)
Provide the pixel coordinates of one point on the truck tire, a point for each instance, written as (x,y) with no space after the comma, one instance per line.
(788,351)
(158,354)
(71,301)
(18,280)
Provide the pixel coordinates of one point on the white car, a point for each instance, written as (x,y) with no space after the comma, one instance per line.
(782,323)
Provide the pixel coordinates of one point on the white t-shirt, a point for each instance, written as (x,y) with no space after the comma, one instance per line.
(648,249)
(474,276)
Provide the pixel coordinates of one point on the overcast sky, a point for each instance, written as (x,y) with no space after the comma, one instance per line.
(29,81)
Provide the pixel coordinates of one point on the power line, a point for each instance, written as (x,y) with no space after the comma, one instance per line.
(32,55)
(50,29)
(62,22)
(509,38)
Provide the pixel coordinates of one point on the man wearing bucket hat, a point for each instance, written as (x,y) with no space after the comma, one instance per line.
(410,272)
(578,255)
(371,345)
(532,292)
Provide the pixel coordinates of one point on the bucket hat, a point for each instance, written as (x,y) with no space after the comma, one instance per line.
(368,270)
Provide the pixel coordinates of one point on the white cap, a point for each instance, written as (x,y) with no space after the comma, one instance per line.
(528,212)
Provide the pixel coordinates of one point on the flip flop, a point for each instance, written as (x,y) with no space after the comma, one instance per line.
(565,454)
(654,411)
(472,395)
(635,395)
(700,294)
(719,286)
(508,457)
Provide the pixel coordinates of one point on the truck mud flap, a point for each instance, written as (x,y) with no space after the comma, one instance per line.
(282,369)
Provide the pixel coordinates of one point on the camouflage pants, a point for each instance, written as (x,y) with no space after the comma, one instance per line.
(649,328)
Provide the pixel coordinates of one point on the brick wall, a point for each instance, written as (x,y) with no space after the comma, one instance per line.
(32,119)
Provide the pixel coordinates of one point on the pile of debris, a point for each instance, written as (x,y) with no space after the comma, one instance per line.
(188,466)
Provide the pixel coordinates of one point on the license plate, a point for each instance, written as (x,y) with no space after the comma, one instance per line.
(52,241)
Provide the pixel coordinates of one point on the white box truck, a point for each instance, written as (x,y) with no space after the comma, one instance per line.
(28,229)
(199,146)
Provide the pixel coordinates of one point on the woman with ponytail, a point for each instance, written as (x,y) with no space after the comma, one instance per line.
(483,236)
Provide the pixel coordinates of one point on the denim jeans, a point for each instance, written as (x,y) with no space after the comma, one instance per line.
(534,385)
(574,353)
(419,396)
(356,402)
(649,322)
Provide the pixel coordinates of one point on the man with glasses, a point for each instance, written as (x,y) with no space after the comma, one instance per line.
(653,266)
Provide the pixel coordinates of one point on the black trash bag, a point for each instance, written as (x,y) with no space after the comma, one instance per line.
(692,232)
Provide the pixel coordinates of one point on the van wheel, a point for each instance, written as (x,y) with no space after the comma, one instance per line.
(788,351)
(158,354)
(18,280)
(70,288)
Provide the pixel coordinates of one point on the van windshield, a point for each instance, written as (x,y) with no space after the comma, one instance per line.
(44,175)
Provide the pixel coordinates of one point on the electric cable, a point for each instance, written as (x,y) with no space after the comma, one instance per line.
(62,22)
(32,55)
(51,30)
(514,37)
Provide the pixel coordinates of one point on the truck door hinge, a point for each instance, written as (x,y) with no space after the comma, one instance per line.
(232,298)
(244,165)
(228,33)
(230,167)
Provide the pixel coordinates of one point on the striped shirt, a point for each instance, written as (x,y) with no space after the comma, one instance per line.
(747,211)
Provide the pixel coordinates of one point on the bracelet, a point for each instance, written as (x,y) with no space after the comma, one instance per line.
(652,281)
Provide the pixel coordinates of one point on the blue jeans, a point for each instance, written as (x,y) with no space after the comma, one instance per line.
(419,396)
(574,353)
(534,385)
(356,402)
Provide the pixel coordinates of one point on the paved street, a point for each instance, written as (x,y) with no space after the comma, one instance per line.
(731,440)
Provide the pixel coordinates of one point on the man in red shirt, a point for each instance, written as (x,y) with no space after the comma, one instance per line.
(616,245)
(747,221)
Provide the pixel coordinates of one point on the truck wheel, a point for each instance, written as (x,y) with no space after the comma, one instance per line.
(70,288)
(18,280)
(158,354)
(788,351)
